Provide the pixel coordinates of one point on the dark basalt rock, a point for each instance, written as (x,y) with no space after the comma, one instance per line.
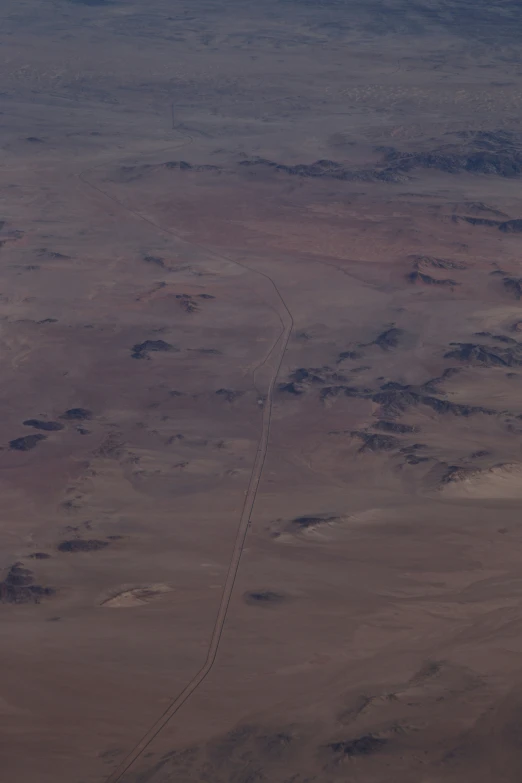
(514,286)
(302,375)
(19,576)
(374,442)
(395,401)
(327,169)
(263,598)
(39,556)
(361,746)
(229,394)
(511,226)
(77,414)
(305,522)
(501,338)
(420,262)
(480,453)
(48,426)
(395,427)
(187,303)
(389,339)
(421,277)
(18,587)
(26,443)
(182,165)
(82,545)
(485,355)
(455,473)
(155,260)
(349,355)
(412,459)
(292,388)
(500,155)
(331,392)
(444,406)
(394,385)
(142,350)
(477,221)
(53,255)
(433,383)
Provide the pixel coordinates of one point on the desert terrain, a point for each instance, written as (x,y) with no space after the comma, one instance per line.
(261,432)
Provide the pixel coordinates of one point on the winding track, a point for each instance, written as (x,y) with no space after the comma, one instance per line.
(275,357)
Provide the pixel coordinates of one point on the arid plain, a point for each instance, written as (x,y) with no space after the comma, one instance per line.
(261,427)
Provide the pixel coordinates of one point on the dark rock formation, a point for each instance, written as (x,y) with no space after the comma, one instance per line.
(423,262)
(263,598)
(349,355)
(395,427)
(453,473)
(389,339)
(433,384)
(311,375)
(361,746)
(229,394)
(18,587)
(514,286)
(292,388)
(375,442)
(483,152)
(82,545)
(77,414)
(444,406)
(326,169)
(396,401)
(26,443)
(332,392)
(182,165)
(155,260)
(142,350)
(304,378)
(306,522)
(48,426)
(478,354)
(474,221)
(187,303)
(511,226)
(421,277)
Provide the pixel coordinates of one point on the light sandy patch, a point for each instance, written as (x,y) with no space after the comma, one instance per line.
(136,596)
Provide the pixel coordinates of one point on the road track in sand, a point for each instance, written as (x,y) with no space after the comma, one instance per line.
(275,358)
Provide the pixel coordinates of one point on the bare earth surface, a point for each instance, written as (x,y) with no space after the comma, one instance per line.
(261,339)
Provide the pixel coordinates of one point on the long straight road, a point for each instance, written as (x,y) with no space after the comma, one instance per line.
(273,360)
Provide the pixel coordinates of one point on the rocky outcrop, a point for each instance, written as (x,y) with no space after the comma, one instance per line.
(429,262)
(422,277)
(82,545)
(18,587)
(26,443)
(394,426)
(479,354)
(374,442)
(514,286)
(361,746)
(142,350)
(47,426)
(511,226)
